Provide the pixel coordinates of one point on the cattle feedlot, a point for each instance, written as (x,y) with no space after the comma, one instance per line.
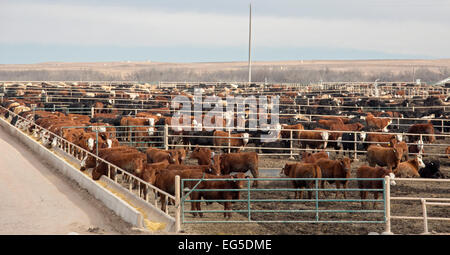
(309,166)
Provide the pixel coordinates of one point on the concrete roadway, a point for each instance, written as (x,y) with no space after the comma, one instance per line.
(36,199)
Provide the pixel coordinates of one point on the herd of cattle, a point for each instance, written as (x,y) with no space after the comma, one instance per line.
(107,134)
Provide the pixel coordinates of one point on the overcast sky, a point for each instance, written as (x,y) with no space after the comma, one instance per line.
(210,30)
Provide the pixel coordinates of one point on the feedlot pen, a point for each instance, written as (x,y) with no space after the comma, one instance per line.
(350,207)
(266,225)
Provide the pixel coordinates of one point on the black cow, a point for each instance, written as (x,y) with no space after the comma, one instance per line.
(203,138)
(431,170)
(348,142)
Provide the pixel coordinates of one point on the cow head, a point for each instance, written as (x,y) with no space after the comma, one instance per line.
(324,136)
(399,137)
(420,161)
(391,180)
(109,142)
(239,184)
(246,138)
(383,172)
(362,136)
(83,163)
(345,163)
(88,162)
(385,129)
(149,175)
(45,136)
(55,141)
(286,169)
(181,155)
(432,169)
(398,151)
(338,145)
(140,165)
(203,155)
(215,165)
(96,174)
(150,131)
(420,146)
(172,157)
(90,143)
(151,122)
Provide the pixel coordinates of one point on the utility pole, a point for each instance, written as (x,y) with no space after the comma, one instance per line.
(250,47)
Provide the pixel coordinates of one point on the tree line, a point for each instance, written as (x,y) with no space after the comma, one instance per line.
(271,74)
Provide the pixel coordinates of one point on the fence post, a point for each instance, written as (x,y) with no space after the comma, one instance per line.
(229,141)
(96,141)
(387,205)
(425,216)
(355,145)
(291,155)
(92,112)
(317,199)
(177,204)
(130,187)
(166,137)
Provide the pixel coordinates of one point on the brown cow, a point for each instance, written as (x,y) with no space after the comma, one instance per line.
(404,147)
(218,193)
(209,169)
(426,129)
(149,174)
(302,170)
(382,139)
(347,127)
(319,139)
(379,123)
(155,155)
(308,157)
(447,151)
(133,123)
(372,172)
(410,168)
(296,130)
(344,120)
(339,168)
(238,140)
(165,180)
(89,161)
(180,154)
(89,141)
(240,162)
(131,162)
(390,157)
(330,122)
(202,154)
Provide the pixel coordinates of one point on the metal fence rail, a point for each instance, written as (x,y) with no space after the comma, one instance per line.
(165,137)
(317,210)
(293,148)
(434,201)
